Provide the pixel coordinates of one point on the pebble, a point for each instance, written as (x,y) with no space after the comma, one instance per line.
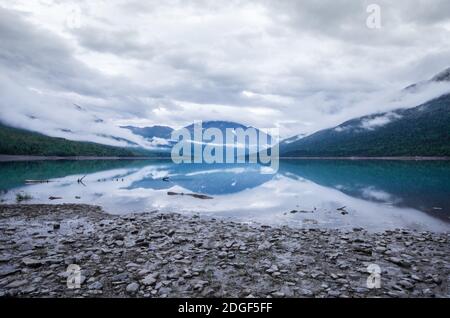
(96,285)
(149,280)
(132,288)
(17,283)
(27,261)
(170,255)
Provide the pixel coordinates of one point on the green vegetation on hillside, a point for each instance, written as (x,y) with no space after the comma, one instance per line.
(15,141)
(420,131)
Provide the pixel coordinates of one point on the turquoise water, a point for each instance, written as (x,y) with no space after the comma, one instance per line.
(376,195)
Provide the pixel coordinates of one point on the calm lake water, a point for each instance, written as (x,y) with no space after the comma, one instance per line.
(376,195)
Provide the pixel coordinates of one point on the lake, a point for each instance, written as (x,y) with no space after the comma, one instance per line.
(373,194)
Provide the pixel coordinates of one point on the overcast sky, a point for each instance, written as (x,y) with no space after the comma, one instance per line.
(297,65)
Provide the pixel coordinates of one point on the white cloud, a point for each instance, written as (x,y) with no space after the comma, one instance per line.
(379,121)
(297,65)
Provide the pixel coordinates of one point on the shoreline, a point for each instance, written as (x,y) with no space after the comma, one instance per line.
(19,158)
(14,158)
(399,158)
(170,255)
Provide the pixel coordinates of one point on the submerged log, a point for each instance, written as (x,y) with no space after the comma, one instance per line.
(342,210)
(194,195)
(199,196)
(300,211)
(36,181)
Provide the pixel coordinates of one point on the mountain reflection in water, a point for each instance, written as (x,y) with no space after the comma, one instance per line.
(377,195)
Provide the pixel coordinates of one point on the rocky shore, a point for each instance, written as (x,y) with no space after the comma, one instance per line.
(170,255)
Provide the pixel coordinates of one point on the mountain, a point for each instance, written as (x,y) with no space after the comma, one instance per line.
(419,131)
(293,139)
(443,76)
(159,136)
(162,134)
(151,132)
(224,125)
(14,141)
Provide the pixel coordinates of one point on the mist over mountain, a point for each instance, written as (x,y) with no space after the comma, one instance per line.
(162,134)
(151,132)
(14,141)
(443,76)
(273,66)
(419,131)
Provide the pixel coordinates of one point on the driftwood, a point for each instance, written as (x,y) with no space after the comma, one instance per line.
(342,210)
(194,195)
(36,181)
(80,181)
(300,211)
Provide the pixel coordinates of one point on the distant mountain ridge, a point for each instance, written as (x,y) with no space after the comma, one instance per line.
(166,131)
(151,132)
(14,141)
(443,76)
(423,130)
(420,131)
(159,133)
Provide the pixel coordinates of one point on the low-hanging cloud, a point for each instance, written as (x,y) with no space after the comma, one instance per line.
(297,65)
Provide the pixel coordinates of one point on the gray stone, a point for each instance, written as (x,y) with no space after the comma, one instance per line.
(214,258)
(17,283)
(8,270)
(96,285)
(120,277)
(399,262)
(222,254)
(278,294)
(31,262)
(5,258)
(149,280)
(132,288)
